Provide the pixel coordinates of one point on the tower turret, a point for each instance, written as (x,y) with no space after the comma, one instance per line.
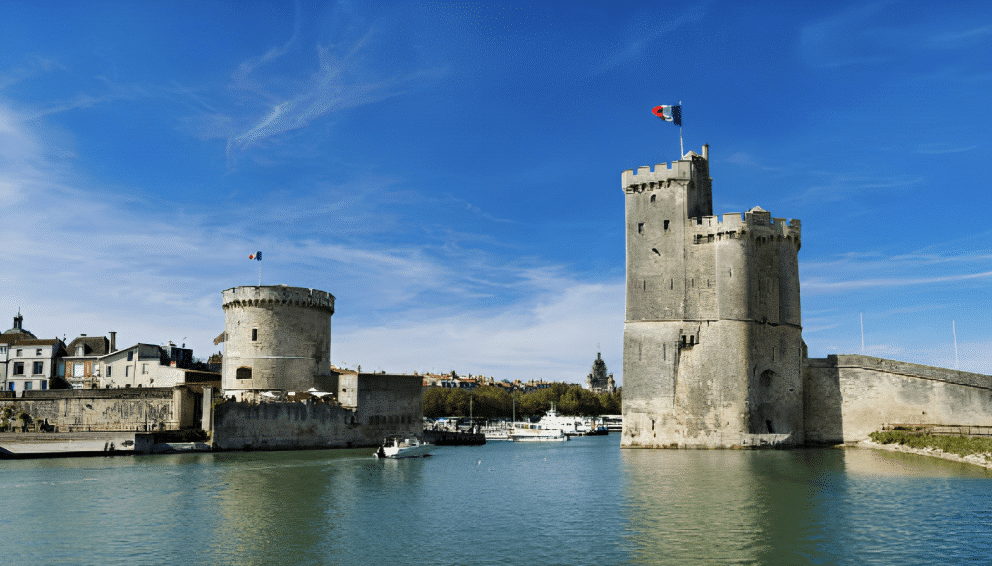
(276,338)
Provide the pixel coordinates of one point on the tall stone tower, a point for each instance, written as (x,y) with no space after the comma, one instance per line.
(277,338)
(713,336)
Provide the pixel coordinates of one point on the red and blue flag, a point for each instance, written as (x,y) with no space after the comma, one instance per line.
(669,113)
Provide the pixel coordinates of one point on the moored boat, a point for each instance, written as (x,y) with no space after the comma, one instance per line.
(529,432)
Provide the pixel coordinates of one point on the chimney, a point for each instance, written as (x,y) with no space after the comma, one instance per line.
(113,341)
(706,151)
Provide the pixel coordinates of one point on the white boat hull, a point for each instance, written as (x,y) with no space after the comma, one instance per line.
(408,448)
(540,436)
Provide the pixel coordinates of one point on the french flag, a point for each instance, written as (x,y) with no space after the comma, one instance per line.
(669,113)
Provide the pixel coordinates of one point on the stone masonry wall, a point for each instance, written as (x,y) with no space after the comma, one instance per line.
(102,409)
(850,396)
(388,404)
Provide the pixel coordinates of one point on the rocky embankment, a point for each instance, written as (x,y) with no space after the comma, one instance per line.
(983,459)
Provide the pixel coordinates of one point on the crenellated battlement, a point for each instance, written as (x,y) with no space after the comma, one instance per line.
(664,174)
(253,296)
(755,223)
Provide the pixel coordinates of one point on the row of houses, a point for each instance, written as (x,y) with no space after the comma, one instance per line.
(454,381)
(91,362)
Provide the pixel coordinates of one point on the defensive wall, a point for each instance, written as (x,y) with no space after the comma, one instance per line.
(85,410)
(713,330)
(387,404)
(850,396)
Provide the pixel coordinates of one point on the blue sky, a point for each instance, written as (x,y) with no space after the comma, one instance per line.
(451,171)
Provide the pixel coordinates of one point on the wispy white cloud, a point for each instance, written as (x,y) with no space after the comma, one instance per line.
(943,148)
(957,37)
(340,81)
(119,259)
(553,337)
(747,160)
(842,187)
(845,272)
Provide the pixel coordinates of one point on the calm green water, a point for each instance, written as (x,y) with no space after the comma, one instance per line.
(579,502)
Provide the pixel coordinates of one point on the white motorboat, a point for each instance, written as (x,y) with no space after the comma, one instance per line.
(571,426)
(400,447)
(529,432)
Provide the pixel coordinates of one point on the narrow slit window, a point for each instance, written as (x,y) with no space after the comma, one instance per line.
(254,334)
(640,227)
(666,225)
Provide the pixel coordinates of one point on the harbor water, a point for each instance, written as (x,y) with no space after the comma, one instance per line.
(579,502)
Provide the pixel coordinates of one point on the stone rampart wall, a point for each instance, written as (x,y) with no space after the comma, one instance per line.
(293,426)
(387,405)
(850,396)
(102,409)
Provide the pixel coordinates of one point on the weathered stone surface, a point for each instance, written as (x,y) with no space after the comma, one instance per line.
(277,338)
(713,351)
(387,404)
(713,336)
(850,396)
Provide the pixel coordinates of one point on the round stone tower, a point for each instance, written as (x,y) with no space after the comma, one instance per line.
(277,338)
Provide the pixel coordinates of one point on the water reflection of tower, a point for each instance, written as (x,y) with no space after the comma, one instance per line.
(277,338)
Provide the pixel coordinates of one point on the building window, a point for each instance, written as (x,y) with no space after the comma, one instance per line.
(28,385)
(243,373)
(20,352)
(666,225)
(18,368)
(3,349)
(11,384)
(39,368)
(78,370)
(37,352)
(653,197)
(127,371)
(254,334)
(130,355)
(108,370)
(144,369)
(44,384)
(640,227)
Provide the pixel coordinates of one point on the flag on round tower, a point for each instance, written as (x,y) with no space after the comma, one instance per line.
(669,113)
(257,256)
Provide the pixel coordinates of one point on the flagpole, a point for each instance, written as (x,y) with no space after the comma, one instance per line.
(681,145)
(955,332)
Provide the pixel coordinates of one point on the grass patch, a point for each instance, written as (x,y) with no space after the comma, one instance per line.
(960,445)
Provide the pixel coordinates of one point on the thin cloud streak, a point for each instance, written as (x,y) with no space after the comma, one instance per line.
(822,286)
